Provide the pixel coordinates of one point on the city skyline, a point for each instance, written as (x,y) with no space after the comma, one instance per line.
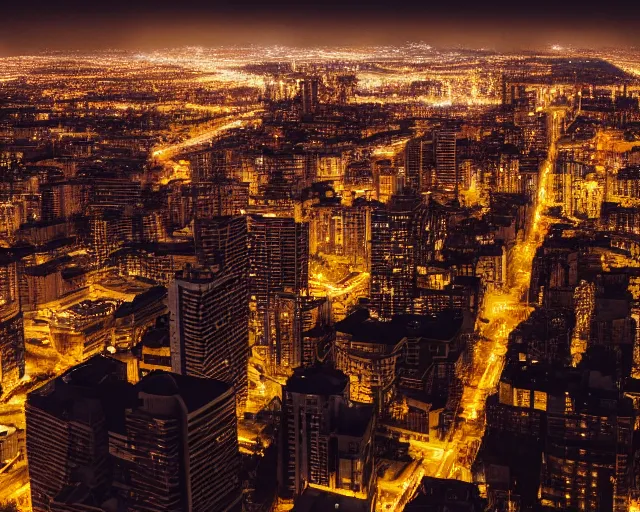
(303,257)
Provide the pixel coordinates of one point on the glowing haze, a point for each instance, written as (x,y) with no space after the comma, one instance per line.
(145,24)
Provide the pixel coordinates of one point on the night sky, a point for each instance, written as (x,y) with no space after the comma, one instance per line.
(37,25)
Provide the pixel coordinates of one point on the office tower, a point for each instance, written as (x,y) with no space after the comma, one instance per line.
(168,443)
(218,198)
(209,327)
(588,451)
(113,190)
(148,225)
(393,245)
(108,230)
(413,164)
(330,167)
(67,432)
(368,351)
(324,439)
(278,262)
(223,241)
(419,165)
(309,93)
(284,173)
(62,200)
(326,224)
(444,143)
(357,234)
(177,449)
(12,347)
(507,172)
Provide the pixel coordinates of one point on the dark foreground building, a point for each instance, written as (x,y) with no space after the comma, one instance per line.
(96,443)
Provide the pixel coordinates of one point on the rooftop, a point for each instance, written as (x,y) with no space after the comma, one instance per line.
(140,301)
(317,380)
(194,391)
(315,500)
(359,324)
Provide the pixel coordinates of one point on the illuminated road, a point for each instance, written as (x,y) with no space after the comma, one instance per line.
(332,290)
(394,494)
(164,153)
(504,310)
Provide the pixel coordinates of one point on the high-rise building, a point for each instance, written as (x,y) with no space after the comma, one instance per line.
(108,230)
(207,164)
(282,174)
(115,191)
(148,225)
(12,349)
(62,200)
(326,229)
(309,92)
(357,234)
(296,323)
(167,444)
(325,440)
(393,251)
(177,449)
(223,241)
(209,327)
(385,180)
(279,262)
(67,432)
(419,165)
(444,143)
(219,197)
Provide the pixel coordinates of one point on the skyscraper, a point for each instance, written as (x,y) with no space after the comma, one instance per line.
(445,156)
(11,325)
(279,262)
(209,328)
(177,450)
(393,252)
(223,241)
(419,164)
(166,444)
(67,433)
(295,323)
(218,197)
(309,92)
(325,440)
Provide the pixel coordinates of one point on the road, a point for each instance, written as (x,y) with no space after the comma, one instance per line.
(504,310)
(165,153)
(333,290)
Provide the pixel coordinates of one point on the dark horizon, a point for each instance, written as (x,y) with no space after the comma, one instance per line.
(499,26)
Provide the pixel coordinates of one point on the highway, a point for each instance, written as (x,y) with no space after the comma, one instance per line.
(165,153)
